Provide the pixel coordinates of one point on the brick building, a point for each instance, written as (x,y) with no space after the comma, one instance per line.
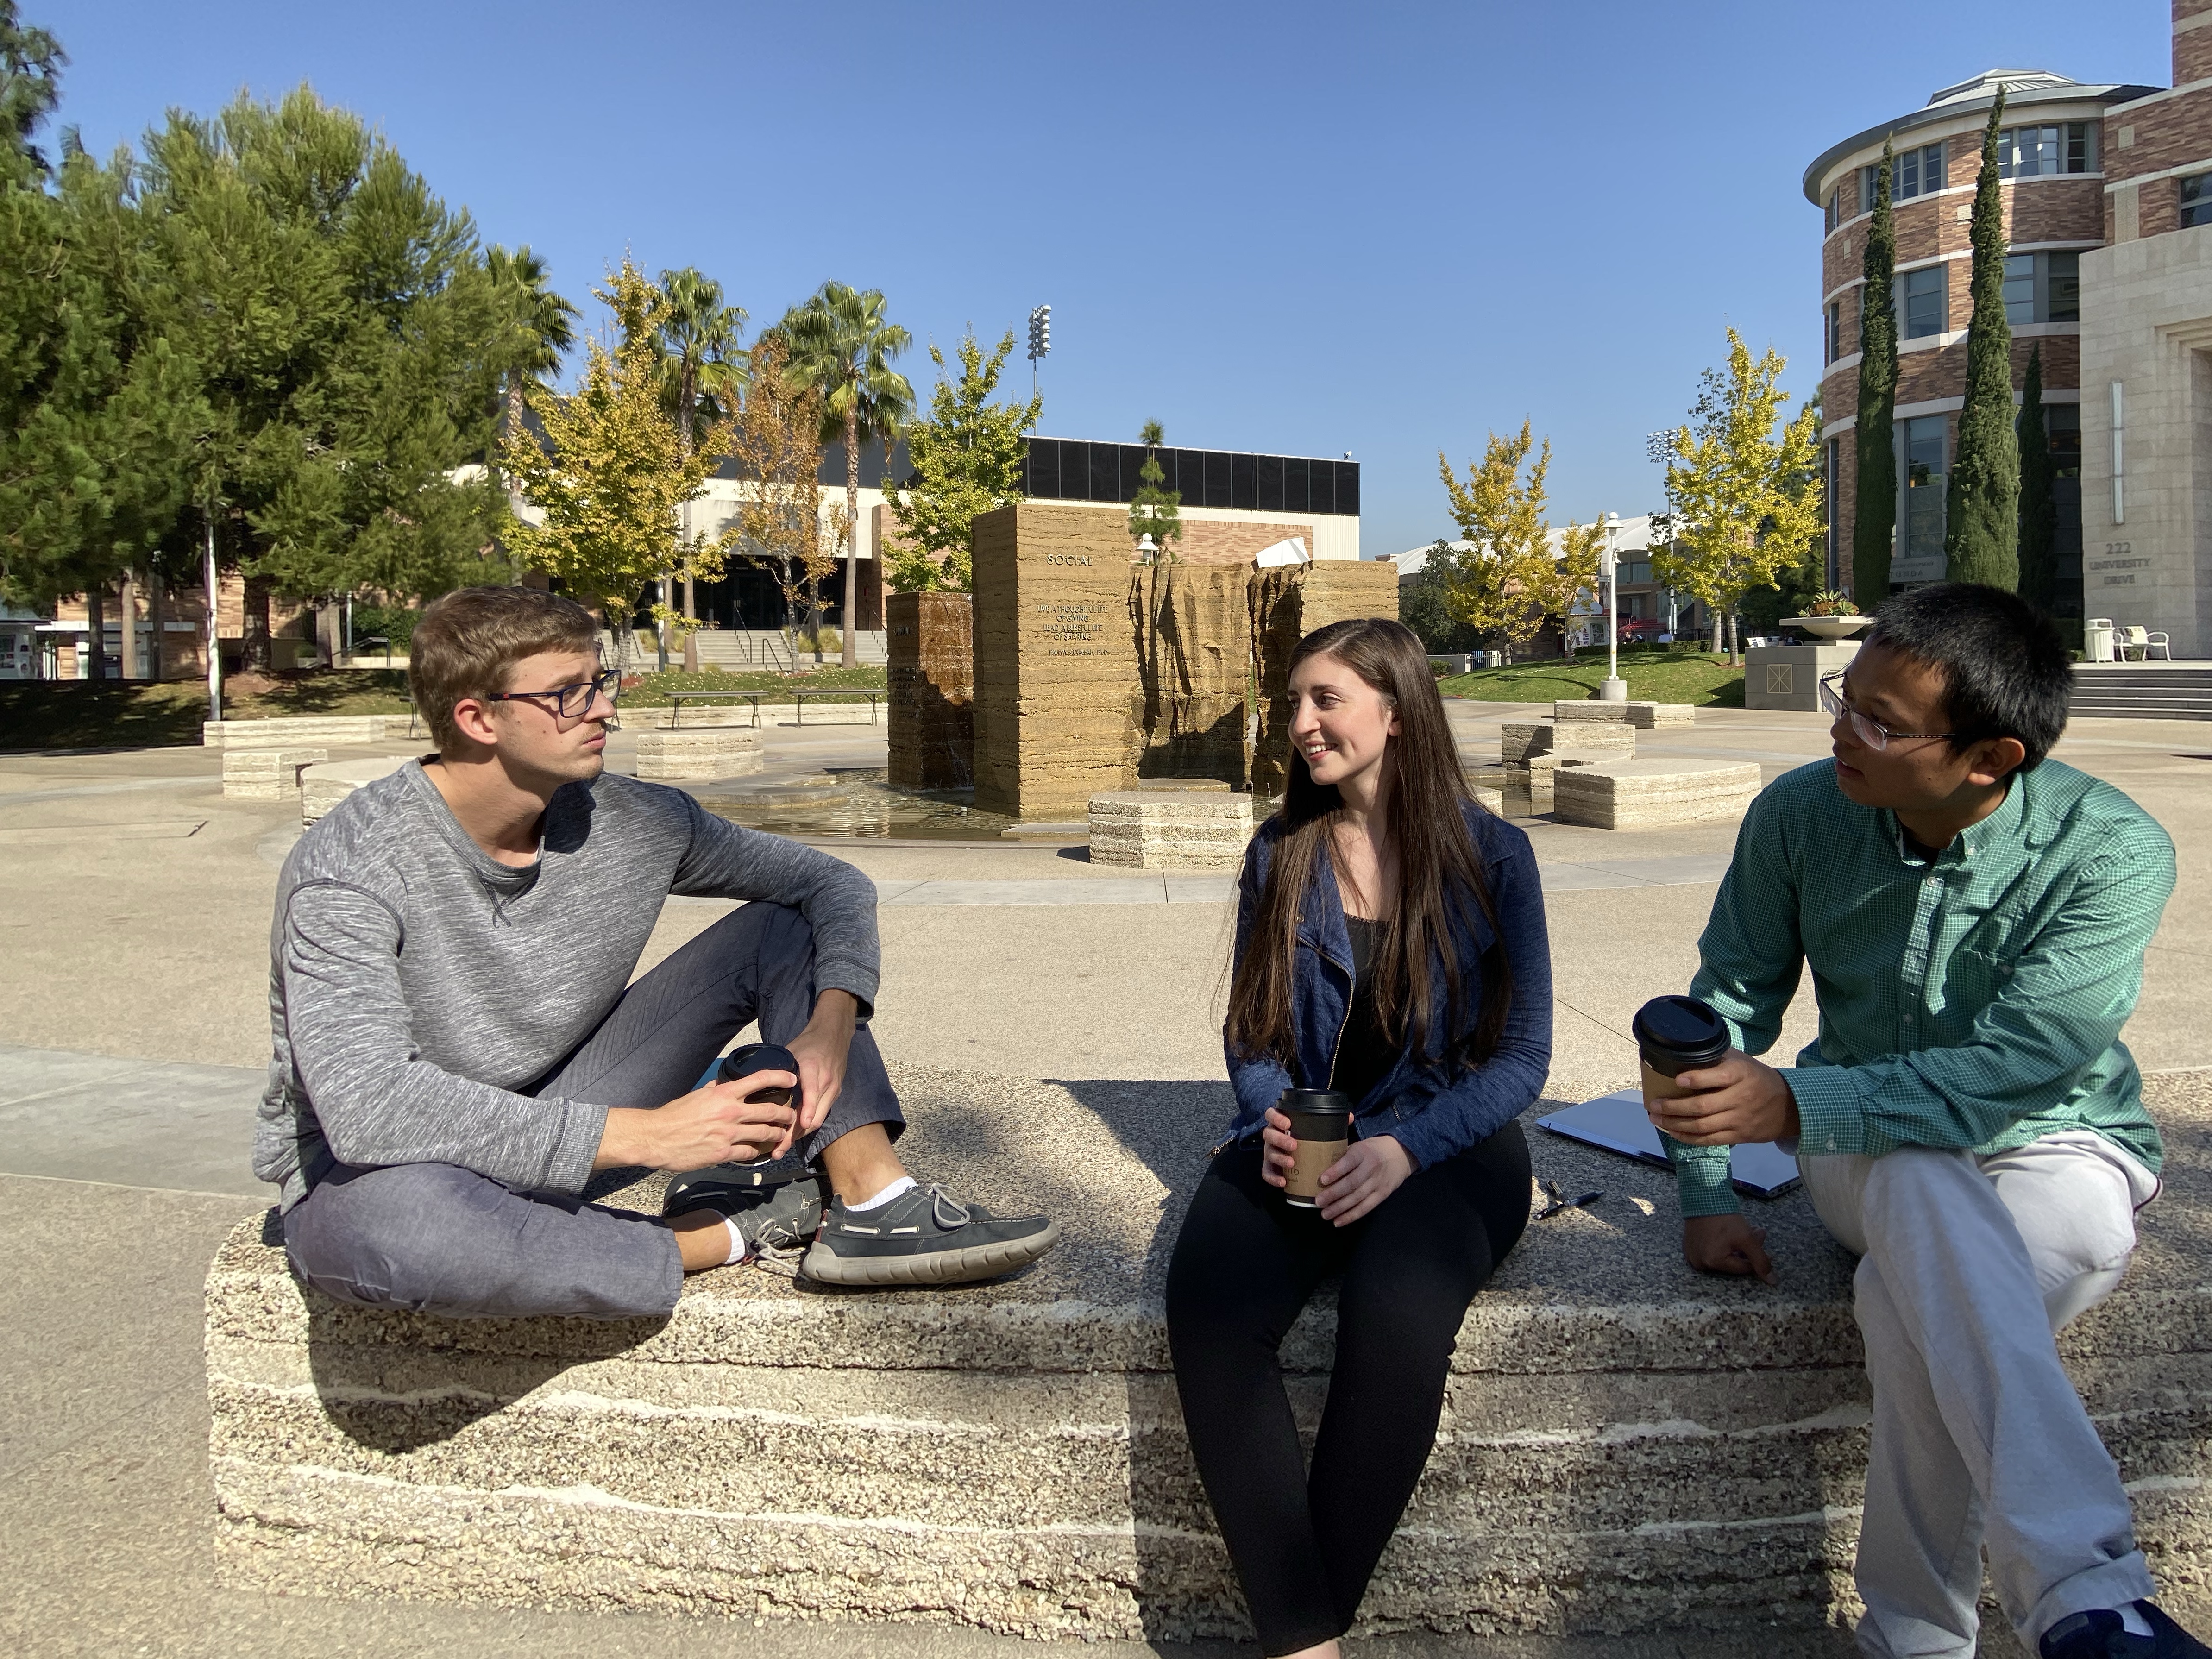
(2051,156)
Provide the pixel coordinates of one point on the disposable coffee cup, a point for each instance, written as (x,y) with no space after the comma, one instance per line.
(1321,1120)
(1674,1034)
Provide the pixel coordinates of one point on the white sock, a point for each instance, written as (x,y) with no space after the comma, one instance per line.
(2132,1621)
(903,1184)
(739,1248)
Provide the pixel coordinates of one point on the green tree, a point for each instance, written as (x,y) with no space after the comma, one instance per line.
(2038,506)
(967,460)
(1981,511)
(704,370)
(775,444)
(1874,519)
(1423,606)
(1154,511)
(843,346)
(97,410)
(349,342)
(31,62)
(612,471)
(1743,501)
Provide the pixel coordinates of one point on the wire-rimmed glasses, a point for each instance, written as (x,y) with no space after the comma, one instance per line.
(1870,732)
(570,702)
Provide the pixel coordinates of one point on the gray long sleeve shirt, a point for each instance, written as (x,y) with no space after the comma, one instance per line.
(415,983)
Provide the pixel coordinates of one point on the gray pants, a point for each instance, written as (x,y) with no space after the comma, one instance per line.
(441,1239)
(1968,1268)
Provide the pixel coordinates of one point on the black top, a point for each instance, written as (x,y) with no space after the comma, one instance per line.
(1364,1053)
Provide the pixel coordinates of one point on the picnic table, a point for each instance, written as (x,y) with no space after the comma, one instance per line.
(678,699)
(800,697)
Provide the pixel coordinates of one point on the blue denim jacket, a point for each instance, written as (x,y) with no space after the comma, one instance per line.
(1433,1114)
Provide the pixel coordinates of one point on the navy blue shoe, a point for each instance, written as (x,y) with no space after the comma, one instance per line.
(2101,1635)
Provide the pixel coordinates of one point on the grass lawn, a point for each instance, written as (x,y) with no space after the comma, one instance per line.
(1652,676)
(150,714)
(652,689)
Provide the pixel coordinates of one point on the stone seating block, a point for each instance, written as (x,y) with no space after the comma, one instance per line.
(1492,800)
(322,787)
(1545,768)
(290,730)
(1627,1446)
(1519,740)
(1648,716)
(1638,794)
(710,751)
(267,773)
(1170,829)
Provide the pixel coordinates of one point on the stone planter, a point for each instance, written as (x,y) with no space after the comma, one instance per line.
(1829,628)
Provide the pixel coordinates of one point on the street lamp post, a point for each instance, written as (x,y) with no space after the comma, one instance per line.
(1616,688)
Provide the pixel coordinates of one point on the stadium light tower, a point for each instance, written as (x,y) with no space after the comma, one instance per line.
(1040,341)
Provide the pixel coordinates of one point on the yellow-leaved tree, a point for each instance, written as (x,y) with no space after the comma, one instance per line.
(1742,503)
(1511,578)
(782,525)
(611,470)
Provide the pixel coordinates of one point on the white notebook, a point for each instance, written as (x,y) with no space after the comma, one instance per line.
(1616,1123)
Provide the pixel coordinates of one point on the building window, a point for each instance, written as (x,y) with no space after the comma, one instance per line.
(2035,152)
(1912,173)
(1835,330)
(1828,515)
(1924,300)
(1924,445)
(2196,200)
(2043,288)
(2062,424)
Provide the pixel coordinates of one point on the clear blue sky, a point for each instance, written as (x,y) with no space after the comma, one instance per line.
(1281,227)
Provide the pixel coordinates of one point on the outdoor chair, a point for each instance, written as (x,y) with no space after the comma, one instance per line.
(2145,640)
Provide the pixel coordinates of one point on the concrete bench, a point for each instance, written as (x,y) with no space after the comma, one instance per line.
(1636,794)
(1175,829)
(1650,716)
(290,730)
(322,787)
(1519,741)
(267,773)
(705,751)
(1491,799)
(1626,1445)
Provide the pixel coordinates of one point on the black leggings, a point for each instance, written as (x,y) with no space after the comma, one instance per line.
(1244,1265)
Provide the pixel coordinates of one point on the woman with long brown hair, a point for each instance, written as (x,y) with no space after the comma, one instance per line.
(1390,946)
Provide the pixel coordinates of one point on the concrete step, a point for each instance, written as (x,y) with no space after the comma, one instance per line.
(2102,691)
(1626,1445)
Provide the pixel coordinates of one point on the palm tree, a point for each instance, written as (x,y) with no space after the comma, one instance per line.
(842,346)
(705,366)
(540,327)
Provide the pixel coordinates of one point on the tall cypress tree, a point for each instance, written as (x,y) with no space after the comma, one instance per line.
(1874,519)
(1981,514)
(2039,511)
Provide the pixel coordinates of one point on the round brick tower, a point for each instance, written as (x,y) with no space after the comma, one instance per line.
(2051,156)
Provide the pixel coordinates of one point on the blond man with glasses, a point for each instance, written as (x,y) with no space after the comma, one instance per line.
(1968,1123)
(458,1047)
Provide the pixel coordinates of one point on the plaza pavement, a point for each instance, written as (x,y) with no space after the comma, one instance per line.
(133,1027)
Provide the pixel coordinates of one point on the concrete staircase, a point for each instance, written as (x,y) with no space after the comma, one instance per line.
(755,648)
(1626,1445)
(2141,691)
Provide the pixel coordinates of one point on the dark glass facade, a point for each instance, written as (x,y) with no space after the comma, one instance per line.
(1070,470)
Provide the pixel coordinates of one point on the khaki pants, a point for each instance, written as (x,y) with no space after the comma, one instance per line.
(1968,1267)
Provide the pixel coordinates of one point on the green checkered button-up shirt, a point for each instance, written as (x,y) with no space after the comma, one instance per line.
(1974,1003)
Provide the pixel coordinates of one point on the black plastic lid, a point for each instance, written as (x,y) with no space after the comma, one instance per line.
(1682,1030)
(1315,1100)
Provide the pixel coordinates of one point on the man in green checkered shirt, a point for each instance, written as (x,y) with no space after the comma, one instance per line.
(1968,1122)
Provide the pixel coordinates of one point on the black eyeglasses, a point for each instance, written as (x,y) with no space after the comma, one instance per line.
(570,702)
(1868,730)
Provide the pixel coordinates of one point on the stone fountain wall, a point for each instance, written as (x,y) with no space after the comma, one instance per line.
(1091,672)
(931,671)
